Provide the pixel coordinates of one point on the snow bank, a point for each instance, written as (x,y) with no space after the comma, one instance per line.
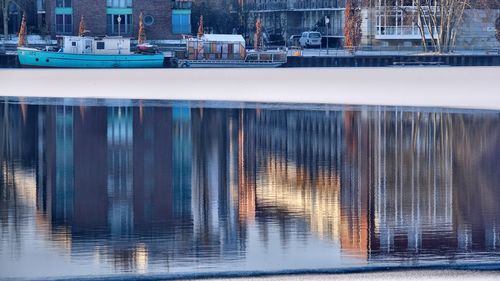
(473,87)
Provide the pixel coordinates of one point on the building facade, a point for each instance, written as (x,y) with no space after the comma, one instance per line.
(389,23)
(284,18)
(163,19)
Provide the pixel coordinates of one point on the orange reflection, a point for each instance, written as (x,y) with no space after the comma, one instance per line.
(246,184)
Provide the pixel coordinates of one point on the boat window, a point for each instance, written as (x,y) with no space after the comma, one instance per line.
(73,44)
(100,46)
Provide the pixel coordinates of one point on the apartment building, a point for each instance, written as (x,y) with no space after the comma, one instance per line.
(289,17)
(163,19)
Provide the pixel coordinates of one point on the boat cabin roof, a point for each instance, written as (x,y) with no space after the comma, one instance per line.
(235,38)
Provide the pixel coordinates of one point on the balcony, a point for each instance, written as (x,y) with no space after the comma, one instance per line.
(300,5)
(267,7)
(400,32)
(317,4)
(182,4)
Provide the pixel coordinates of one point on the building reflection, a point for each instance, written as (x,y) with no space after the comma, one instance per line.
(165,185)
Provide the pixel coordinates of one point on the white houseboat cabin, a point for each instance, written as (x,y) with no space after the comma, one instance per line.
(95,45)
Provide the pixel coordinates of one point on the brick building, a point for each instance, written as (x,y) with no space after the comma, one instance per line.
(118,17)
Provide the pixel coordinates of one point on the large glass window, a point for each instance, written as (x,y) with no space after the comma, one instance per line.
(63,3)
(119,27)
(181,21)
(399,18)
(40,5)
(119,3)
(64,23)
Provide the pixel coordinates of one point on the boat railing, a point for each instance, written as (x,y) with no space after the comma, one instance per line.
(202,55)
(266,56)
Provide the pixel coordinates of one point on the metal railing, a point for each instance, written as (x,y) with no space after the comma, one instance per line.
(297,5)
(400,31)
(267,6)
(11,45)
(392,51)
(179,4)
(318,4)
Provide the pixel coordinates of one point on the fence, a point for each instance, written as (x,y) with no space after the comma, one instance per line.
(400,50)
(300,5)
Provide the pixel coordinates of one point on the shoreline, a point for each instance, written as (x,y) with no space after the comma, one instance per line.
(381,276)
(446,87)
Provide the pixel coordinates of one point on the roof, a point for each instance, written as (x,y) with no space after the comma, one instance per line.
(224,38)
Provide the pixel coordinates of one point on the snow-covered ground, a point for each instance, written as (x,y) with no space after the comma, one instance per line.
(32,39)
(442,275)
(455,87)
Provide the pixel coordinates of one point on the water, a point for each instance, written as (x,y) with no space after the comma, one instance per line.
(94,188)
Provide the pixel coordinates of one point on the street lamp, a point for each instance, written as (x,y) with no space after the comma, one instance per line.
(327,22)
(119,19)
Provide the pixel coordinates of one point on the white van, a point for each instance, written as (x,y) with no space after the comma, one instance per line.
(310,39)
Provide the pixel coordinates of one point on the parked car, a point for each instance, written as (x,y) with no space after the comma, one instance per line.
(275,40)
(294,41)
(310,39)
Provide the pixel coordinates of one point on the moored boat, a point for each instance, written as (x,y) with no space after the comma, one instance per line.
(90,52)
(226,51)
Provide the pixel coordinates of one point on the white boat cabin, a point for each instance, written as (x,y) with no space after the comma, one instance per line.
(95,45)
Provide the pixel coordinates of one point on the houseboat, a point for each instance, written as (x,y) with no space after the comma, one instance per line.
(90,52)
(226,51)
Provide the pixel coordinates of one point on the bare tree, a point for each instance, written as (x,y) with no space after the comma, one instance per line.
(352,25)
(22,33)
(257,42)
(141,38)
(201,29)
(4,6)
(5,17)
(439,21)
(497,27)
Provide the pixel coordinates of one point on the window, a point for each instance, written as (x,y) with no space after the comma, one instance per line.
(119,27)
(64,23)
(73,44)
(63,3)
(181,21)
(100,45)
(119,3)
(40,5)
(149,20)
(399,19)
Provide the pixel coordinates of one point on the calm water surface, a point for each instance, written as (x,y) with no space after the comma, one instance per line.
(125,188)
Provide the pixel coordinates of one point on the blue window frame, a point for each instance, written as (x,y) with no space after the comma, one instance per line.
(181,21)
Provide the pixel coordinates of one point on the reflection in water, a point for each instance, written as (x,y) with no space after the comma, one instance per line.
(126,189)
